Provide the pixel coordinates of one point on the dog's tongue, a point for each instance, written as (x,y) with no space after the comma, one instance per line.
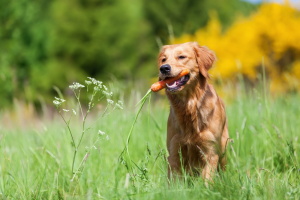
(175,83)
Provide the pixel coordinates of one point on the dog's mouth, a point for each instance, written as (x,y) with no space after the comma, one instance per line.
(177,85)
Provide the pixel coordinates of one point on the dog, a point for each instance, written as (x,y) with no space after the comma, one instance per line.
(197,130)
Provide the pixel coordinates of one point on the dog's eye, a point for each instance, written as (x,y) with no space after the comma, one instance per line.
(181,57)
(163,60)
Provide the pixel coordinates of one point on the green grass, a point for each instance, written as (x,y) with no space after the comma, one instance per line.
(36,163)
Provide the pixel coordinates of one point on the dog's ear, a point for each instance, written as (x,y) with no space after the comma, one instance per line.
(205,58)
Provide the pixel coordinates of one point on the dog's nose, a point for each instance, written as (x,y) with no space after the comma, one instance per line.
(165,69)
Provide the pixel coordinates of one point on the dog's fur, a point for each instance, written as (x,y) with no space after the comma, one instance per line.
(197,125)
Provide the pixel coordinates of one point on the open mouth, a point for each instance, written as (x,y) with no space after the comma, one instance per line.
(176,85)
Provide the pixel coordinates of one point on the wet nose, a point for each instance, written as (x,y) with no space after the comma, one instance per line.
(165,69)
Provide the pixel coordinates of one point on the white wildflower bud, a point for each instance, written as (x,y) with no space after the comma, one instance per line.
(58,99)
(96,88)
(65,110)
(76,86)
(105,88)
(119,106)
(99,83)
(79,85)
(101,132)
(106,93)
(74,112)
(93,80)
(110,102)
(88,82)
(107,137)
(120,102)
(57,103)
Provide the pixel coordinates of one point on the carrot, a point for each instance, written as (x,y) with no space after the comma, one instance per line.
(162,84)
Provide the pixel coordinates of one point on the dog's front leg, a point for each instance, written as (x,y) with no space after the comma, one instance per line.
(210,167)
(174,157)
(174,167)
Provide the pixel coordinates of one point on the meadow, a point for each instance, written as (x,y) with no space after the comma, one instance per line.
(116,153)
(263,156)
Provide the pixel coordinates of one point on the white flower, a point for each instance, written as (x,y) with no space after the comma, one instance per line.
(105,87)
(107,93)
(96,82)
(110,102)
(93,80)
(107,138)
(58,101)
(119,105)
(88,82)
(74,111)
(101,132)
(99,83)
(65,110)
(76,86)
(96,88)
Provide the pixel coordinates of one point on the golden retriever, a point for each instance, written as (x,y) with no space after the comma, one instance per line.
(197,125)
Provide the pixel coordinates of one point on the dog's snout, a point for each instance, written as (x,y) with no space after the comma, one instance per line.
(165,69)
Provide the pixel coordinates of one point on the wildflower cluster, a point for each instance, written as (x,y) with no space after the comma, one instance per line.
(76,86)
(98,86)
(100,91)
(57,102)
(88,82)
(110,102)
(272,33)
(119,105)
(94,81)
(101,133)
(107,93)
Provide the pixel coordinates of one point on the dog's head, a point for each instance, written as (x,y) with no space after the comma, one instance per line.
(174,58)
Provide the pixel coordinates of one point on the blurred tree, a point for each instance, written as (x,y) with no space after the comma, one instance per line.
(46,43)
(187,16)
(102,37)
(23,45)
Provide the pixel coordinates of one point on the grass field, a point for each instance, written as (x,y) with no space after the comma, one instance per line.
(263,160)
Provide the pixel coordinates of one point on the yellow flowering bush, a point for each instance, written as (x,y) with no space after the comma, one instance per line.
(271,35)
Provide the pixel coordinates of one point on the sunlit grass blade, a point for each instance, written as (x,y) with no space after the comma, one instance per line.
(141,102)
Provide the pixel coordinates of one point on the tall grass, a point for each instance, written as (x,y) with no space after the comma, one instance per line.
(263,160)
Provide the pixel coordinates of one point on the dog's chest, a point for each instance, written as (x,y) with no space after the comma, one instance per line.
(191,118)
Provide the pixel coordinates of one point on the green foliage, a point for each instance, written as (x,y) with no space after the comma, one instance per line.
(185,17)
(263,161)
(102,37)
(53,43)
